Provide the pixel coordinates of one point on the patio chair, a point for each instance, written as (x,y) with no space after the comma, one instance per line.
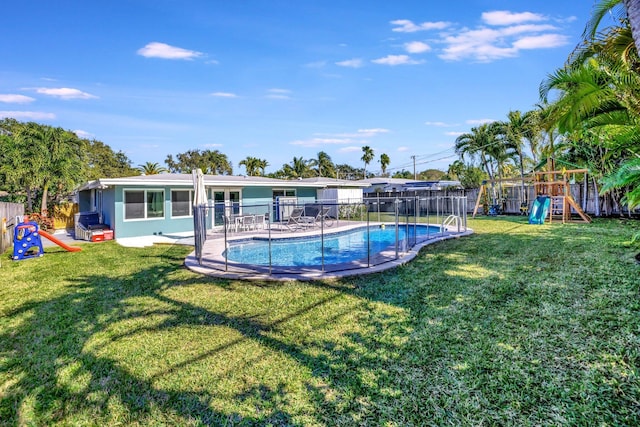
(311,215)
(248,222)
(294,221)
(325,217)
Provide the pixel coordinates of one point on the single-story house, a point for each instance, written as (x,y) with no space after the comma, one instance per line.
(156,205)
(384,184)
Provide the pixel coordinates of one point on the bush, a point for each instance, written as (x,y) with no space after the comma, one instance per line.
(44,222)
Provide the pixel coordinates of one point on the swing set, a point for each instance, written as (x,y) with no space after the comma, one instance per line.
(550,183)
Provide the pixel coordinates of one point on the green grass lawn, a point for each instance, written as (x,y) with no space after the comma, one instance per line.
(516,325)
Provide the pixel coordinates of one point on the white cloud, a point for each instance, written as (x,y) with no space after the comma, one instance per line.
(317,142)
(407,26)
(528,28)
(402,149)
(317,64)
(165,51)
(352,63)
(65,93)
(479,121)
(504,17)
(394,60)
(372,132)
(416,47)
(15,99)
(28,115)
(503,34)
(544,41)
(439,124)
(278,93)
(83,134)
(483,45)
(212,145)
(453,133)
(224,95)
(358,137)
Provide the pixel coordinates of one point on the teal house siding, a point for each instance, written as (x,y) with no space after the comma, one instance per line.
(108,207)
(256,200)
(149,226)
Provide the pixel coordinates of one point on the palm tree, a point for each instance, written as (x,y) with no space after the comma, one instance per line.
(299,168)
(475,144)
(219,163)
(367,156)
(601,9)
(514,131)
(384,162)
(599,103)
(262,165)
(455,170)
(54,157)
(627,175)
(150,168)
(324,164)
(533,133)
(484,142)
(251,164)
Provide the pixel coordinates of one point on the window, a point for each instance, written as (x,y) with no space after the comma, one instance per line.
(133,204)
(155,204)
(283,193)
(141,204)
(181,202)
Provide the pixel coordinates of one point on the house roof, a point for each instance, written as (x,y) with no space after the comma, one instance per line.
(332,182)
(186,180)
(381,180)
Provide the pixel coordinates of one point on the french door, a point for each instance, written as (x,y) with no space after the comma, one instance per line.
(225,203)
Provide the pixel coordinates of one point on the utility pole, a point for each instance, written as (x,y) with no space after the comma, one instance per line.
(415,177)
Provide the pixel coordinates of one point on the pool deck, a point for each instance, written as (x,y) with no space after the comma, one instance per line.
(214,263)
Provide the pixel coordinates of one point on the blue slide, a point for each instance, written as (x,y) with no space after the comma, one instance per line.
(539,210)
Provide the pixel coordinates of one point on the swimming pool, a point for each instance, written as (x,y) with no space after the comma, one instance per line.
(339,248)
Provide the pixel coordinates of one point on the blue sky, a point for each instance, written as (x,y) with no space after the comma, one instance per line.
(276,79)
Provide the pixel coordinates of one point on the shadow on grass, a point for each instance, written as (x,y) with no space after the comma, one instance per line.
(462,334)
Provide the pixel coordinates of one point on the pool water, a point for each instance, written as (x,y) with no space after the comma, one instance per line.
(339,248)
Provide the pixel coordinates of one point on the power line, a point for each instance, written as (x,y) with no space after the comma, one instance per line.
(427,156)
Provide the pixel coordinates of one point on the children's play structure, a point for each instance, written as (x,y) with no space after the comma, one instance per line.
(27,242)
(555,186)
(552,194)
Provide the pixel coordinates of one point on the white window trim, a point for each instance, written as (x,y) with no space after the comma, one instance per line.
(144,190)
(190,203)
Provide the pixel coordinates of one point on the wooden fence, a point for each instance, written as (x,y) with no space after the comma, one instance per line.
(8,214)
(63,216)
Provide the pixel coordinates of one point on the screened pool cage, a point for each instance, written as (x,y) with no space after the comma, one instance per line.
(323,235)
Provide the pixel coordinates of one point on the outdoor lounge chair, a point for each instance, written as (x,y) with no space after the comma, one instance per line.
(294,222)
(316,215)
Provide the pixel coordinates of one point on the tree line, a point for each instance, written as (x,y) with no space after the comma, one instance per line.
(41,164)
